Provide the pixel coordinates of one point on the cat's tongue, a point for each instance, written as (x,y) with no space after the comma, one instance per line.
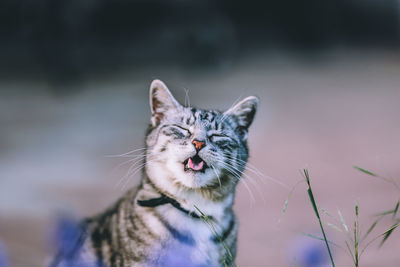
(194,166)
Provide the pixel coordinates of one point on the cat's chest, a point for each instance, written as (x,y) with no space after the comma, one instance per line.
(193,239)
(190,251)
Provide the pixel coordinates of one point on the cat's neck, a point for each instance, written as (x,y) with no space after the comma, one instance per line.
(191,200)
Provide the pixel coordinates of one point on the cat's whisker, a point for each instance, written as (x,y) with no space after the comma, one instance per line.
(124,163)
(253,200)
(127,153)
(245,163)
(136,159)
(215,171)
(130,170)
(257,186)
(241,172)
(244,166)
(238,177)
(139,168)
(136,170)
(250,167)
(267,177)
(250,178)
(127,156)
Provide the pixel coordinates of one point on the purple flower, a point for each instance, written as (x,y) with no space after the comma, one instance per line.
(3,256)
(308,252)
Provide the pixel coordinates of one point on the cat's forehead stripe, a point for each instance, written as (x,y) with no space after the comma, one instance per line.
(209,119)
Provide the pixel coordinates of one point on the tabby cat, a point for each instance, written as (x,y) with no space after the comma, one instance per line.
(181,214)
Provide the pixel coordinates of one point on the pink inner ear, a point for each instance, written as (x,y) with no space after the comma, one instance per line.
(159,117)
(155,103)
(156,108)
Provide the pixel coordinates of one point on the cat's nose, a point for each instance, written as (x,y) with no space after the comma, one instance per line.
(198,144)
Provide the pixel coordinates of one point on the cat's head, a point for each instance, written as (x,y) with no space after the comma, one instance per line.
(193,148)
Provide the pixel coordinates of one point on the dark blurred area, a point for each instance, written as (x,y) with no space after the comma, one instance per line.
(62,40)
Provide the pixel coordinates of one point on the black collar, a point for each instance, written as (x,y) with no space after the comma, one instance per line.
(154,202)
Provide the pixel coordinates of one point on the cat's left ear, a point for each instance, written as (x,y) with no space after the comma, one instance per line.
(244,112)
(161,101)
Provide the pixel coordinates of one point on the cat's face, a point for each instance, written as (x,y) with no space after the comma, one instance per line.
(196,148)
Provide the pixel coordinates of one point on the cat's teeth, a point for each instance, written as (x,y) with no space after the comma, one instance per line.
(194,166)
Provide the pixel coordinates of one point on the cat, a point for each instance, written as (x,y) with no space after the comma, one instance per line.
(181,213)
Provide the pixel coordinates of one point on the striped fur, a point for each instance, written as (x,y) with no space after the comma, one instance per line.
(141,229)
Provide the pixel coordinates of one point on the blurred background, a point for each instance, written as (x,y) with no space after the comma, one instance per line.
(74,79)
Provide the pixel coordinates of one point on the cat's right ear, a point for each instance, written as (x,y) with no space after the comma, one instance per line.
(161,101)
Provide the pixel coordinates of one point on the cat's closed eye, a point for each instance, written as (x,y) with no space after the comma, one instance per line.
(176,131)
(219,137)
(222,140)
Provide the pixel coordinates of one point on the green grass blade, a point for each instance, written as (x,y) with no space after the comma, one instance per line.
(388,180)
(356,237)
(396,209)
(371,228)
(384,234)
(350,251)
(314,205)
(218,236)
(387,233)
(295,262)
(334,227)
(345,227)
(321,239)
(325,211)
(365,171)
(287,200)
(384,213)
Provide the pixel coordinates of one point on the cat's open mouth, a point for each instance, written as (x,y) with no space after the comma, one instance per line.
(195,163)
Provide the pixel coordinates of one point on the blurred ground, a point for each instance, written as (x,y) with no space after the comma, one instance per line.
(324,113)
